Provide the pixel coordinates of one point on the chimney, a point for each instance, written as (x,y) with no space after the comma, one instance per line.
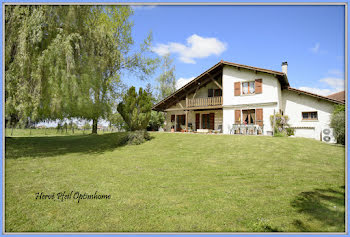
(285,67)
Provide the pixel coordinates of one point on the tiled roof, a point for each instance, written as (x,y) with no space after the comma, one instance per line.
(338,96)
(315,95)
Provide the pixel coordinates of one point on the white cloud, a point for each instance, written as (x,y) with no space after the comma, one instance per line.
(334,85)
(316,48)
(317,91)
(196,47)
(182,81)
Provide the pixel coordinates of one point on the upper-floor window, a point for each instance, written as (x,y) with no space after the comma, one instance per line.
(248,87)
(309,115)
(214,92)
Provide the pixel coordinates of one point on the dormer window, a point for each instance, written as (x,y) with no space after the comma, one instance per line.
(248,87)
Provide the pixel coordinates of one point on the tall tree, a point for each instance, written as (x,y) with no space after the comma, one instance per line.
(136,109)
(66,61)
(166,80)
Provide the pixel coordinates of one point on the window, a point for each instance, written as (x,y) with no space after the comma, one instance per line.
(214,92)
(217,92)
(248,116)
(181,119)
(248,87)
(309,115)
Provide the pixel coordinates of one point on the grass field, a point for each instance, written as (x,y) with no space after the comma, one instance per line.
(175,183)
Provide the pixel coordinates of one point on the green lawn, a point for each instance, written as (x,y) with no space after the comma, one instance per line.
(175,183)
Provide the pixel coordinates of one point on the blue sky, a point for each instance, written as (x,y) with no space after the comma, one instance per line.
(310,38)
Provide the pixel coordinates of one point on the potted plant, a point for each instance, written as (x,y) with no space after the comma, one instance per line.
(183,128)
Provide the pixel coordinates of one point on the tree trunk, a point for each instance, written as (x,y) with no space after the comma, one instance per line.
(94,126)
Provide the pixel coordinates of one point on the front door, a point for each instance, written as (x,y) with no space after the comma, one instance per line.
(205,121)
(208,121)
(180,121)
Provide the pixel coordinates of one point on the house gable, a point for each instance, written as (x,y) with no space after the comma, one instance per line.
(215,73)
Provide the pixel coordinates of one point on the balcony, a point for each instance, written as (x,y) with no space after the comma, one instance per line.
(204,102)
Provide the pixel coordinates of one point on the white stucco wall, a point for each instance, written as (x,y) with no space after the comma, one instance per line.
(270,87)
(294,104)
(269,100)
(229,116)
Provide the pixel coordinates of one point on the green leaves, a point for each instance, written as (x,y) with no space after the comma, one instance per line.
(166,81)
(66,61)
(136,109)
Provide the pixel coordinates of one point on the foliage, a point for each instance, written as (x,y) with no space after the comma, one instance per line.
(290,131)
(86,126)
(280,125)
(166,81)
(338,125)
(156,121)
(117,121)
(137,137)
(66,61)
(45,132)
(338,108)
(135,109)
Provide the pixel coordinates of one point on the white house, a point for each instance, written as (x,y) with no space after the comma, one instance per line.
(230,94)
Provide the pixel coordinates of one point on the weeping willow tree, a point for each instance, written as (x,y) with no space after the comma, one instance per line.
(67,61)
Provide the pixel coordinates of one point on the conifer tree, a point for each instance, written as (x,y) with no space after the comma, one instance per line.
(136,109)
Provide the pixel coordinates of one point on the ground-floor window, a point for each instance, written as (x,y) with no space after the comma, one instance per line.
(248,116)
(309,115)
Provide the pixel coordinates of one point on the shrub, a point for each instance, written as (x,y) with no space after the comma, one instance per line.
(156,121)
(290,131)
(338,124)
(280,125)
(138,137)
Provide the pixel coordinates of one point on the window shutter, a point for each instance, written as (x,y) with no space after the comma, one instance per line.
(197,121)
(237,116)
(237,88)
(210,92)
(259,117)
(211,120)
(258,86)
(172,117)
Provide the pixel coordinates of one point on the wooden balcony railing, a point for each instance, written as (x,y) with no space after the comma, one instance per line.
(204,102)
